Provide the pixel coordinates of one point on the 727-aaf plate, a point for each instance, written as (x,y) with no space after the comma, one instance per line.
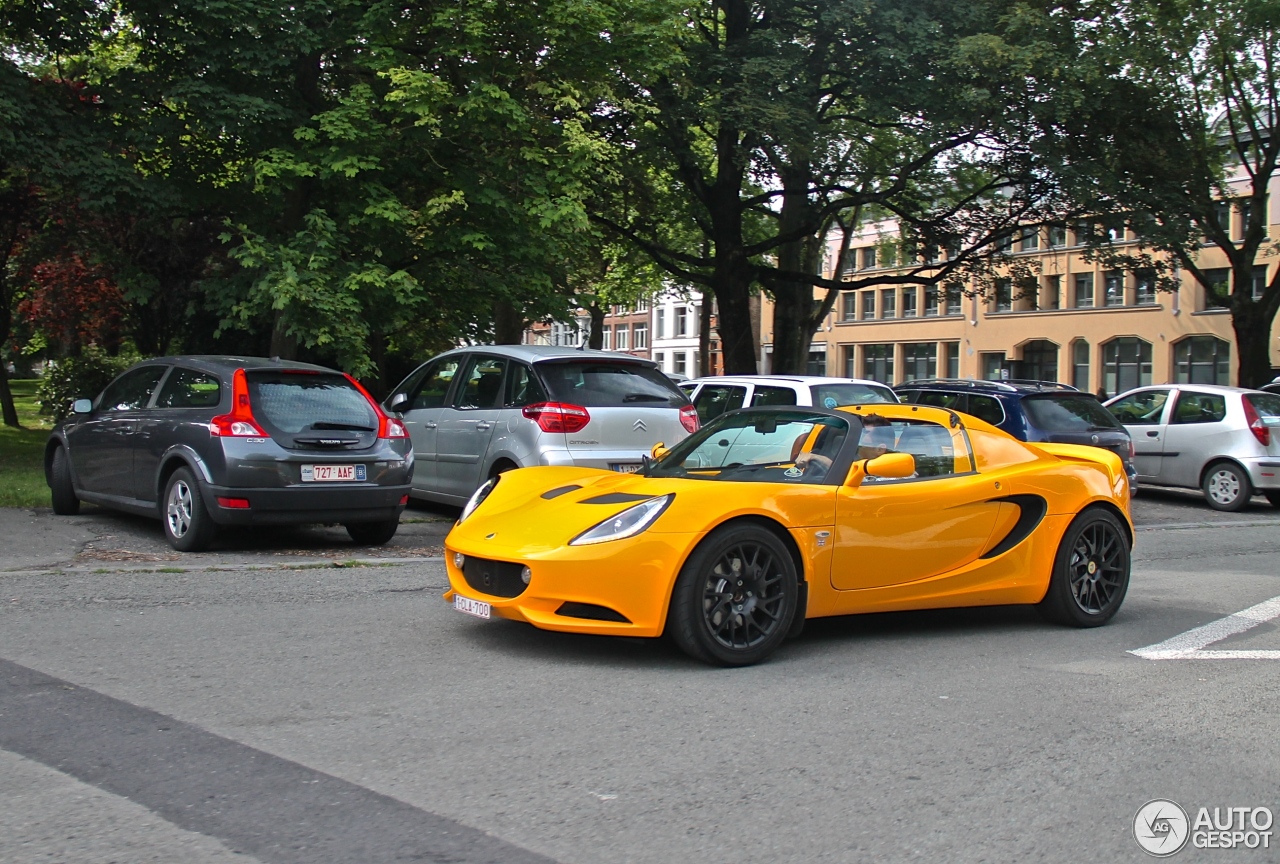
(471,607)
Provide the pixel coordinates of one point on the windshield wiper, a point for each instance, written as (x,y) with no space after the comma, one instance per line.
(645,397)
(354,427)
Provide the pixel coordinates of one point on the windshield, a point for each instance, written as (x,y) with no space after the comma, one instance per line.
(594,384)
(1075,412)
(758,446)
(835,395)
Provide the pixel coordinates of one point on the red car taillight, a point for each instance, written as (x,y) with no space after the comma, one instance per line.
(388,427)
(1259,429)
(557,416)
(239,423)
(689,418)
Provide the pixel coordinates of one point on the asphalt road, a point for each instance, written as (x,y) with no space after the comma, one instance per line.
(261,702)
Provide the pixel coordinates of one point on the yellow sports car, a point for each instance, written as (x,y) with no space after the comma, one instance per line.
(769,516)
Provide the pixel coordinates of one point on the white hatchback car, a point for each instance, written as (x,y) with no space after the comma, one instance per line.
(715,395)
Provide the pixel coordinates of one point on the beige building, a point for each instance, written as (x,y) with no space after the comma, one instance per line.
(1083,324)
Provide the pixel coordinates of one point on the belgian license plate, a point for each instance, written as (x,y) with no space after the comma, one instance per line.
(625,467)
(471,607)
(332,473)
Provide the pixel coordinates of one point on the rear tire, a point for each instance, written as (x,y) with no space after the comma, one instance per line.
(187,524)
(735,599)
(1090,572)
(1273,497)
(1226,487)
(372,533)
(61,489)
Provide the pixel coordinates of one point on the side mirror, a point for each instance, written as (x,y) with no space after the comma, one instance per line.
(397,403)
(82,406)
(659,450)
(892,465)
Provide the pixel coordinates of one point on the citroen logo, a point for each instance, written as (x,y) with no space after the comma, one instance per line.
(639,426)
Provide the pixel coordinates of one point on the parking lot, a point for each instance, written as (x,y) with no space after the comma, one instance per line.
(163,707)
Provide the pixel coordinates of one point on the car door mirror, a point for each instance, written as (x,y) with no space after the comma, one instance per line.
(398,403)
(891,466)
(659,450)
(82,406)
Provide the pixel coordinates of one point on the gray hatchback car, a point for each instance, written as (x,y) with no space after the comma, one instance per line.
(203,442)
(476,412)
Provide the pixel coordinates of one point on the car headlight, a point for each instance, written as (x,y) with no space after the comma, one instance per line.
(476,499)
(628,523)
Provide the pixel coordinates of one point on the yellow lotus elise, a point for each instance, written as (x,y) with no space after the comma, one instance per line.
(766,517)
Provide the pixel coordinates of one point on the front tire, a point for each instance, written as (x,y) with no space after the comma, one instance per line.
(735,599)
(1227,487)
(61,489)
(372,533)
(1090,572)
(187,524)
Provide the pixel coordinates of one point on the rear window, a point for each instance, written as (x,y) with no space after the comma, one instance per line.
(1068,413)
(1267,405)
(835,395)
(606,385)
(292,402)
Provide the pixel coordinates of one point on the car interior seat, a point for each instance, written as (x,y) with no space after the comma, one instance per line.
(929,444)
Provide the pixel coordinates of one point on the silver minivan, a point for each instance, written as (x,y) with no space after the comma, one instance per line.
(1224,440)
(478,411)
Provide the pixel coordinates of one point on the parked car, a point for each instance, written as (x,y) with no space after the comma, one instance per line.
(1273,387)
(715,395)
(204,442)
(1035,411)
(476,412)
(731,539)
(1220,439)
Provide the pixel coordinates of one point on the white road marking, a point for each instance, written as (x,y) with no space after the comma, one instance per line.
(1190,645)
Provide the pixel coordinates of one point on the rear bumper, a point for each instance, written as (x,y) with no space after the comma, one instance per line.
(299,505)
(1264,472)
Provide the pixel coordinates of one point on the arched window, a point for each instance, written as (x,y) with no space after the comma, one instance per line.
(1080,364)
(1040,360)
(1126,364)
(1202,360)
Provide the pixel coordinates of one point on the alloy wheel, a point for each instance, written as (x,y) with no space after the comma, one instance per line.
(743,599)
(179,509)
(1096,569)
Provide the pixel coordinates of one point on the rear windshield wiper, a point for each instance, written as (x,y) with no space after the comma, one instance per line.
(354,427)
(645,397)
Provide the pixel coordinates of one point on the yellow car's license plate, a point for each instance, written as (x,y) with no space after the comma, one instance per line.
(471,607)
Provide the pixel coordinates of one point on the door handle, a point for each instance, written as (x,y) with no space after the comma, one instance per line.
(1153,434)
(484,426)
(428,424)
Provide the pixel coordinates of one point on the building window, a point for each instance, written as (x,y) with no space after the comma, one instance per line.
(660,325)
(1202,360)
(1057,235)
(1030,238)
(1005,241)
(919,360)
(932,302)
(660,359)
(1050,292)
(1222,215)
(1085,232)
(868,305)
(909,297)
(888,303)
(680,321)
(1126,364)
(680,360)
(606,338)
(641,334)
(848,352)
(1113,285)
(952,350)
(1114,229)
(817,363)
(1004,295)
(1040,360)
(1144,288)
(642,305)
(849,306)
(692,315)
(877,363)
(952,295)
(993,368)
(1218,288)
(1080,365)
(622,332)
(1259,281)
(868,257)
(1084,290)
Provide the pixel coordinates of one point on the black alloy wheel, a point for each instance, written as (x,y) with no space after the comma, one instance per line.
(187,524)
(736,597)
(61,489)
(372,533)
(1091,571)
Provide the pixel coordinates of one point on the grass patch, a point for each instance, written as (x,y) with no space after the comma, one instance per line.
(22,452)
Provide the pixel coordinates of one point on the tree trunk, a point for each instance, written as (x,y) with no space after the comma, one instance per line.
(792,328)
(508,324)
(283,345)
(704,335)
(10,410)
(596,338)
(1253,344)
(733,303)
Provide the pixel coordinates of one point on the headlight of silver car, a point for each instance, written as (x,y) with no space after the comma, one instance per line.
(476,499)
(628,523)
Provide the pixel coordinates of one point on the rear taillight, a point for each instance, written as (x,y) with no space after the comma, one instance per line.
(239,423)
(689,418)
(388,427)
(1133,451)
(557,416)
(1259,429)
